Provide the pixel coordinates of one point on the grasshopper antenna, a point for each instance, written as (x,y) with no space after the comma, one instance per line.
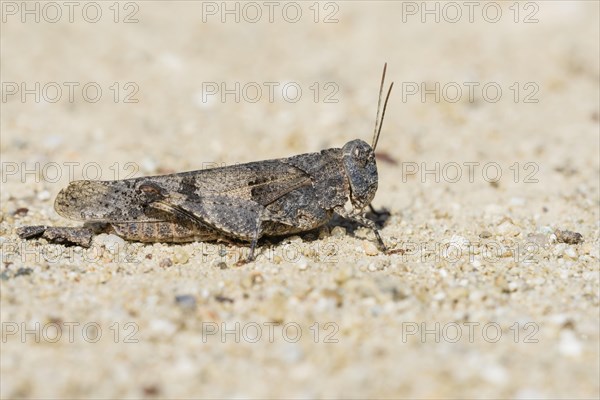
(378,121)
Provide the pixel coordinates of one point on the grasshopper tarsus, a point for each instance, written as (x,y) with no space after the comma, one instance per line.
(251,256)
(361,219)
(382,245)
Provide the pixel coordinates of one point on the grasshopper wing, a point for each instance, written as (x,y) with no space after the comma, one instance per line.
(130,200)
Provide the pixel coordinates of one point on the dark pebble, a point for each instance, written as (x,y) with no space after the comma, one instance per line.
(223,299)
(568,237)
(23,271)
(186,300)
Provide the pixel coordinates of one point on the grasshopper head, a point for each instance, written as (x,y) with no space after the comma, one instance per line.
(359,158)
(361,169)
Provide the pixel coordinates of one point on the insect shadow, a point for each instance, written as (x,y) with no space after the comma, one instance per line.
(379,217)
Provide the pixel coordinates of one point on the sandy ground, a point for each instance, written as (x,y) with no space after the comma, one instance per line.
(490,145)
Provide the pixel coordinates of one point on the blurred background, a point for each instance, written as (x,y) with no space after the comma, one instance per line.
(499,101)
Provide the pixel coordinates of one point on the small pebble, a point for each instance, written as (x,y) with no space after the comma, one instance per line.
(52,141)
(149,165)
(370,249)
(223,299)
(221,265)
(569,345)
(338,231)
(302,264)
(485,235)
(568,237)
(151,390)
(165,263)
(180,256)
(343,274)
(21,211)
(186,300)
(162,327)
(23,272)
(43,195)
(495,374)
(439,296)
(372,268)
(111,242)
(512,286)
(508,228)
(517,201)
(571,252)
(256,278)
(459,242)
(559,249)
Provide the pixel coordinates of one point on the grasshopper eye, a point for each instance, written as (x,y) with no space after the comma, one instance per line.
(360,156)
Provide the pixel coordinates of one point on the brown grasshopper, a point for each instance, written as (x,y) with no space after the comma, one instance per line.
(244,202)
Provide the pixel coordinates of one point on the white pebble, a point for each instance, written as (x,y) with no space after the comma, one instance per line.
(338,231)
(370,249)
(558,319)
(52,141)
(460,241)
(302,264)
(507,228)
(149,165)
(495,374)
(439,296)
(163,327)
(571,252)
(476,296)
(180,256)
(110,242)
(43,195)
(569,345)
(517,201)
(559,249)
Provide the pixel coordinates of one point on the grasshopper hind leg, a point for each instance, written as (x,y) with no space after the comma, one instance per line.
(163,231)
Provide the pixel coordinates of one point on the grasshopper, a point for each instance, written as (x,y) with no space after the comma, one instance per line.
(243,202)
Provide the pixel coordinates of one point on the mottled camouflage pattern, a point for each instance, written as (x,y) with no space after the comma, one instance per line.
(243,202)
